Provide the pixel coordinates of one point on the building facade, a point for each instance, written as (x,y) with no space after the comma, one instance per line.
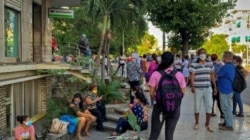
(25,42)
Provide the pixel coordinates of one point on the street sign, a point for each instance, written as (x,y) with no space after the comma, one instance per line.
(247,38)
(61,13)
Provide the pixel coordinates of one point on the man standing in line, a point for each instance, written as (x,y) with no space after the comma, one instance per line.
(177,63)
(225,77)
(202,74)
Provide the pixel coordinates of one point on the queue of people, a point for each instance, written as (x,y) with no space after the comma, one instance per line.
(166,79)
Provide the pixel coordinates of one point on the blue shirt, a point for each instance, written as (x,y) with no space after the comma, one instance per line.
(225,78)
(217,66)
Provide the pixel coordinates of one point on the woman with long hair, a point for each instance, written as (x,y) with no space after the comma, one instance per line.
(166,65)
(139,109)
(83,118)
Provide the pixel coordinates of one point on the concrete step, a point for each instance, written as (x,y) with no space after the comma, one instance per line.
(121,109)
(109,125)
(113,116)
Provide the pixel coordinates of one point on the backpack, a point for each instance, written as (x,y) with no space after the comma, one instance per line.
(168,94)
(239,83)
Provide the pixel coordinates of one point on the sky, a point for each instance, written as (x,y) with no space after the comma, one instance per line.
(243,31)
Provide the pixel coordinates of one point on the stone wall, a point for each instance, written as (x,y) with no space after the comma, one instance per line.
(26,31)
(1,31)
(46,90)
(3,121)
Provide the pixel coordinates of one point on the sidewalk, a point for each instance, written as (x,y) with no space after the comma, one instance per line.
(185,131)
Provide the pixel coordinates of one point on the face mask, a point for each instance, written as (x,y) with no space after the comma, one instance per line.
(94,91)
(28,123)
(76,102)
(202,56)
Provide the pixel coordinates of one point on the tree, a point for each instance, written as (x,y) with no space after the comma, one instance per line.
(216,44)
(188,19)
(239,48)
(148,44)
(113,12)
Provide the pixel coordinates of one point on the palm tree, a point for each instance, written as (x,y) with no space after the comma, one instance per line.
(114,13)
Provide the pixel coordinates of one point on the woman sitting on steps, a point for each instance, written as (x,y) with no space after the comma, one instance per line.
(139,109)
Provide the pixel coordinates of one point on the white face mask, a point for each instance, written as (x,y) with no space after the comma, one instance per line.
(202,56)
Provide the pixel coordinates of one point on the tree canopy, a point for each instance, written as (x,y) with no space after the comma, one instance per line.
(190,20)
(147,45)
(216,44)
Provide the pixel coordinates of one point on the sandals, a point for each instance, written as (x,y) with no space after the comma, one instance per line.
(196,126)
(87,134)
(114,134)
(209,128)
(79,138)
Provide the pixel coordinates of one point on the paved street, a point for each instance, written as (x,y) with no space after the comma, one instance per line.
(246,92)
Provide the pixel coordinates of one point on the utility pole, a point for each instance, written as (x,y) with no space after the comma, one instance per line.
(163,41)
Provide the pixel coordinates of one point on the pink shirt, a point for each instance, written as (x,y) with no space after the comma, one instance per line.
(20,132)
(156,76)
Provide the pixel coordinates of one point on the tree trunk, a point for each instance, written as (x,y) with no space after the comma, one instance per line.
(104,54)
(105,19)
(185,41)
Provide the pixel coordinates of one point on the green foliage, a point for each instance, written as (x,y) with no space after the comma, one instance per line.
(70,30)
(133,122)
(55,108)
(239,48)
(188,19)
(217,44)
(147,45)
(109,91)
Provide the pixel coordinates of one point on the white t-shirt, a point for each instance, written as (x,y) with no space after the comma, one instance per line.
(105,61)
(122,59)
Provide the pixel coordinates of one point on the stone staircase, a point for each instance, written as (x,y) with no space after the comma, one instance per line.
(114,112)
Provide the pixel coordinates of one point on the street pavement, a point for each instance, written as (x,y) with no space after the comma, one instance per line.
(184,129)
(246,92)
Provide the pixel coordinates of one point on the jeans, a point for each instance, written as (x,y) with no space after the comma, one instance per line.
(101,107)
(170,124)
(217,98)
(121,65)
(226,106)
(237,100)
(86,52)
(123,125)
(98,115)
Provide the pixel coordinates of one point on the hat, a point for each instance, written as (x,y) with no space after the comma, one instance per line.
(83,35)
(134,55)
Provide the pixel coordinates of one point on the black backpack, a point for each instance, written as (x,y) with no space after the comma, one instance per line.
(239,83)
(168,94)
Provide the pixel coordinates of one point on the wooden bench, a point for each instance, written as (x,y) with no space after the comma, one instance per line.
(35,119)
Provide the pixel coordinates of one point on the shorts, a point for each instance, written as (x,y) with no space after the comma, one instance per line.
(204,94)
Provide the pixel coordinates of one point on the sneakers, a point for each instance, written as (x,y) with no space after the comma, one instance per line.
(222,124)
(226,128)
(196,126)
(240,115)
(222,116)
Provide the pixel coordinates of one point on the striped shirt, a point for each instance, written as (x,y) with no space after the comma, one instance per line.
(202,78)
